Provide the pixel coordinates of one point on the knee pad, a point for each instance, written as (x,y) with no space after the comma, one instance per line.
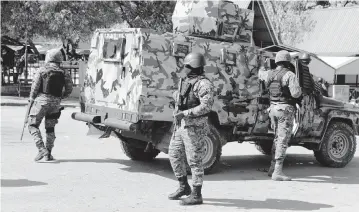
(54,115)
(34,126)
(50,130)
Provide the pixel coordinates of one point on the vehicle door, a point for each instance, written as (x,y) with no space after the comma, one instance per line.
(307,106)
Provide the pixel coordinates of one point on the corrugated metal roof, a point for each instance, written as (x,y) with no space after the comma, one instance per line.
(343,65)
(6,40)
(335,33)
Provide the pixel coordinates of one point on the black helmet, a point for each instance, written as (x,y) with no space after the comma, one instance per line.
(195,60)
(305,57)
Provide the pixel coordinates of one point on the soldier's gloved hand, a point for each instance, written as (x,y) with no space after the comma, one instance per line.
(178,116)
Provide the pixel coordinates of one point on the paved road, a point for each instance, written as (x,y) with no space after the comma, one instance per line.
(94,175)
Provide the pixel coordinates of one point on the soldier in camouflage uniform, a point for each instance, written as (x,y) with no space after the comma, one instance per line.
(284,88)
(46,94)
(187,140)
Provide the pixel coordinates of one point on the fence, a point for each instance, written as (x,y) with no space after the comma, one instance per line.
(11,75)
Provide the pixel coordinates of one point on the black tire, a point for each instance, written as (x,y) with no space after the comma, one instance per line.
(136,153)
(340,135)
(213,150)
(264,147)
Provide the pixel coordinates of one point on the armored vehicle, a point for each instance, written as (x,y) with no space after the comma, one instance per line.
(132,74)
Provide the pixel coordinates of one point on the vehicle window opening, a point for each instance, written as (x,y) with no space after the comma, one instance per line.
(114,49)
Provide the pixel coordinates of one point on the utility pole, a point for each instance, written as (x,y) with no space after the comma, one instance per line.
(26,44)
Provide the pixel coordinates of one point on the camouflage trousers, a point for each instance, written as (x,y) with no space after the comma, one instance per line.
(282,117)
(51,113)
(187,143)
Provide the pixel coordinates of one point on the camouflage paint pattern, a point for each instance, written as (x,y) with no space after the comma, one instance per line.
(221,20)
(37,113)
(203,90)
(152,72)
(142,76)
(282,117)
(352,115)
(187,143)
(307,114)
(113,82)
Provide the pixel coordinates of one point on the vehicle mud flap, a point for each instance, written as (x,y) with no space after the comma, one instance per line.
(93,130)
(107,133)
(149,147)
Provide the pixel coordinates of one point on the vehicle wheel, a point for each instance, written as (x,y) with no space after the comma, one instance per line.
(136,153)
(212,150)
(338,146)
(264,147)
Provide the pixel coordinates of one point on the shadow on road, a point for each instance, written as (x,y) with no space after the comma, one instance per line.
(20,183)
(302,167)
(275,204)
(160,166)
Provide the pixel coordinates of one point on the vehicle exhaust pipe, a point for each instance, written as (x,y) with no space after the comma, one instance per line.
(86,117)
(120,124)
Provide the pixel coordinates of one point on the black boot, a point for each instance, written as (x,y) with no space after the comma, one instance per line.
(42,153)
(49,157)
(195,198)
(271,168)
(184,189)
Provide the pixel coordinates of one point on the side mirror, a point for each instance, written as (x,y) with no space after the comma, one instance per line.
(136,44)
(223,56)
(123,49)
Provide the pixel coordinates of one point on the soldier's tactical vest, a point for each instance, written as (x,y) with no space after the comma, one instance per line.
(188,100)
(277,91)
(53,81)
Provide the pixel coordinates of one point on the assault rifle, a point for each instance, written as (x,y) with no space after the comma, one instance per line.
(178,102)
(31,102)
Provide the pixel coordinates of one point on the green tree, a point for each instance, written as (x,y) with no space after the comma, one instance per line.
(343,3)
(20,18)
(155,15)
(74,20)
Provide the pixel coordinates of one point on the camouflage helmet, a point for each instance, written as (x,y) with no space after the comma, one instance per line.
(195,60)
(54,55)
(282,56)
